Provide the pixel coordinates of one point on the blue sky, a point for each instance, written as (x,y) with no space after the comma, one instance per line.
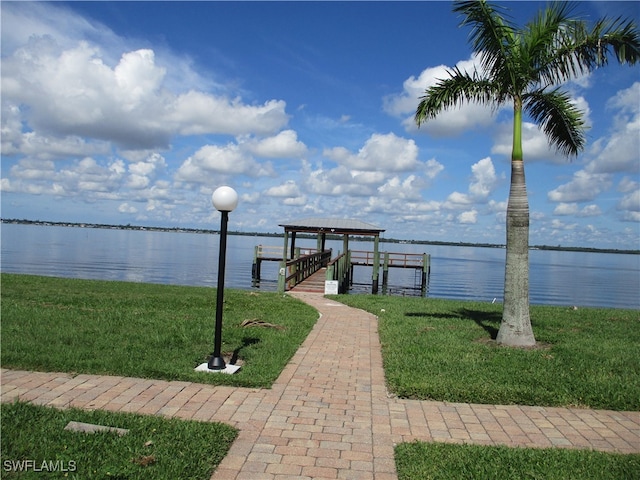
(134,112)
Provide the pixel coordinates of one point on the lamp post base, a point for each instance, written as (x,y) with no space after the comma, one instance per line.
(228,369)
(217,363)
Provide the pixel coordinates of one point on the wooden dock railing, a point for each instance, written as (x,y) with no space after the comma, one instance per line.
(268,252)
(339,270)
(402,260)
(417,261)
(264,253)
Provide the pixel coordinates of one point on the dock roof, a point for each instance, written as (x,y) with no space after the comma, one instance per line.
(341,226)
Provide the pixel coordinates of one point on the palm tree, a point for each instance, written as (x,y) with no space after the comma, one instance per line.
(525,67)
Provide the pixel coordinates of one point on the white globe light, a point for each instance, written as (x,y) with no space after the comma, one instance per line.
(225,199)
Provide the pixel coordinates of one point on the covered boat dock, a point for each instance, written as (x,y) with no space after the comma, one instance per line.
(298,266)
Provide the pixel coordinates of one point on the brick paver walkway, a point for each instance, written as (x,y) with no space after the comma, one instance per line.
(329,416)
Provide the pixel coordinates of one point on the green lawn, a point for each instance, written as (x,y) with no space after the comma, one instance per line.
(443,350)
(426,461)
(35,445)
(144,330)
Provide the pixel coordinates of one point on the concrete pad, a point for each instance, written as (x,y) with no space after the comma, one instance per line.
(229,369)
(91,428)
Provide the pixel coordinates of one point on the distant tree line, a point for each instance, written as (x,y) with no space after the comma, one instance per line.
(304,235)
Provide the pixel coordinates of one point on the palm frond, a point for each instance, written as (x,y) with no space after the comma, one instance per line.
(547,33)
(619,35)
(492,32)
(452,92)
(560,120)
(580,50)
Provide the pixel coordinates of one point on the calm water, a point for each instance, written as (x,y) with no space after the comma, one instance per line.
(473,273)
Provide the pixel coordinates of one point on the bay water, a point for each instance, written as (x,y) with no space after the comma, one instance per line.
(566,278)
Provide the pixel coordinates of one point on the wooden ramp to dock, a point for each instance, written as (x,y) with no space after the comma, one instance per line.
(314,283)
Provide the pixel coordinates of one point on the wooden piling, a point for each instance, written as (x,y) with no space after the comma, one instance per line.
(376,265)
(255,267)
(426,272)
(385,271)
(282,276)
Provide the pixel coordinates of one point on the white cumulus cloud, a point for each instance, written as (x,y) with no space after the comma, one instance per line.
(583,187)
(630,206)
(287,189)
(143,173)
(483,182)
(468,217)
(63,89)
(618,152)
(283,145)
(210,160)
(381,152)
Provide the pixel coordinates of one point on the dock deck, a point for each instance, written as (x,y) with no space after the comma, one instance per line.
(314,283)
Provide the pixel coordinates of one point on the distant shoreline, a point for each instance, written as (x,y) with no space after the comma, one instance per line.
(280,235)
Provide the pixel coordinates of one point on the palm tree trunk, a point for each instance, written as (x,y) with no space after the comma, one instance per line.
(515,329)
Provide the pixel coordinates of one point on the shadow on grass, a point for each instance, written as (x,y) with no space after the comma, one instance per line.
(235,355)
(246,342)
(487,320)
(432,315)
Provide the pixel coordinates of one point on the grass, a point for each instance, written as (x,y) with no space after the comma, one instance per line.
(443,350)
(432,349)
(155,448)
(144,330)
(425,461)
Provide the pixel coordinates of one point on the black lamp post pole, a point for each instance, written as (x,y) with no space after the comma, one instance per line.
(216,362)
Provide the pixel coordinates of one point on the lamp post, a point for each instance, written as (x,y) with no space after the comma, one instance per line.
(224,199)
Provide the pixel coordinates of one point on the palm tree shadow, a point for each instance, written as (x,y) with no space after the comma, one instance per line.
(487,320)
(432,315)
